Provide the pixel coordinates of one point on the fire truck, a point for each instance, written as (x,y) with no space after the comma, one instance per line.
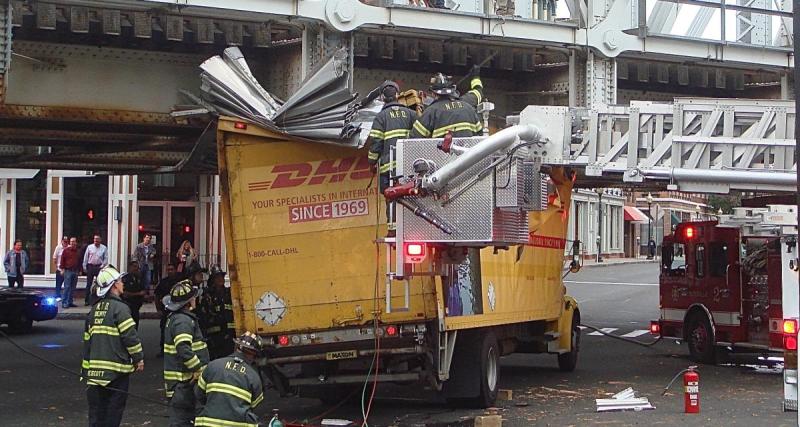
(732,284)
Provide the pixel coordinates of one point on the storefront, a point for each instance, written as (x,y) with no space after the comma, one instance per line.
(41,206)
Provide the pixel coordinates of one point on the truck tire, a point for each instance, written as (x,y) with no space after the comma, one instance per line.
(479,354)
(568,361)
(700,339)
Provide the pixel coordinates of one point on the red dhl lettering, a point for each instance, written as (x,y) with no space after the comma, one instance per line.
(314,173)
(546,242)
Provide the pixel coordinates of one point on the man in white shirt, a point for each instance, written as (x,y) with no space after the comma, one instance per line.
(57,259)
(94,260)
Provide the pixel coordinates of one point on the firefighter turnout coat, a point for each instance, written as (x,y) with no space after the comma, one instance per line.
(448,114)
(393,122)
(229,389)
(185,351)
(111,346)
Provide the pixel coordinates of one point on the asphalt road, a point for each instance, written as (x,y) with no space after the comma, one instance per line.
(619,298)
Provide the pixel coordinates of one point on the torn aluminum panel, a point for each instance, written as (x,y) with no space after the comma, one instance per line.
(625,400)
(323,109)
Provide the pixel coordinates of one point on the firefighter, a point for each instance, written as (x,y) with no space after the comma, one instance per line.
(216,315)
(230,387)
(111,351)
(393,122)
(185,352)
(450,113)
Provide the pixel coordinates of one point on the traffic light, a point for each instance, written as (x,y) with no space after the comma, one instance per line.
(90,214)
(187,229)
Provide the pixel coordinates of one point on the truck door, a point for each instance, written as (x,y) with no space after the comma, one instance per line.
(721,277)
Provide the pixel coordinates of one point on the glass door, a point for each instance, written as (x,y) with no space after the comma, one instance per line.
(169,224)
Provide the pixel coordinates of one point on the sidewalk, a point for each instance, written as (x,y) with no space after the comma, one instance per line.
(610,262)
(148,310)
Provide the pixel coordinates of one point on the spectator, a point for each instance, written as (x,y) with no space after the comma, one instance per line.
(16,264)
(145,255)
(186,256)
(94,259)
(57,260)
(133,293)
(162,290)
(70,265)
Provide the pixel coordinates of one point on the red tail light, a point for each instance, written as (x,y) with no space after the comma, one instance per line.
(283,340)
(415,253)
(790,334)
(391,331)
(655,328)
(240,125)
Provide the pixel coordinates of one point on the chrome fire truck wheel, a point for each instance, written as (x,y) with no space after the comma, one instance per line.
(700,338)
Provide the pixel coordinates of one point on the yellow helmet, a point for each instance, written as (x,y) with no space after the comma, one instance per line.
(107,277)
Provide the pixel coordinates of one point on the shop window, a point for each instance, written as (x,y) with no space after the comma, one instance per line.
(86,208)
(30,221)
(168,187)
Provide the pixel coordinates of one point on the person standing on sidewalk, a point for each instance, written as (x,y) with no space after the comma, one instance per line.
(57,260)
(16,264)
(133,294)
(185,353)
(70,265)
(145,255)
(112,350)
(94,259)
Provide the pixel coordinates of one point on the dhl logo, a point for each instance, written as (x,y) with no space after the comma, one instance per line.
(314,173)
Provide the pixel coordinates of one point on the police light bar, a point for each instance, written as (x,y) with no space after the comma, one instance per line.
(414,253)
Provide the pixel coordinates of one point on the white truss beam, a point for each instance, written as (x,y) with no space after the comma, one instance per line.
(663,17)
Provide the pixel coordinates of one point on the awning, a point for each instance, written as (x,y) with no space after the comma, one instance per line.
(18,173)
(633,214)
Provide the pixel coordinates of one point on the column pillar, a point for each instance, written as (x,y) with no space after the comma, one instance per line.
(7,214)
(54,226)
(123,219)
(211,238)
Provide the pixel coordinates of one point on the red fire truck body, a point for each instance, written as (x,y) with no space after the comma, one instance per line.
(721,288)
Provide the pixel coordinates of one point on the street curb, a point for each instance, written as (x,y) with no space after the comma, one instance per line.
(614,264)
(82,316)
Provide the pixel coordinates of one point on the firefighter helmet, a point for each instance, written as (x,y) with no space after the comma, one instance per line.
(180,295)
(251,343)
(442,85)
(107,277)
(390,96)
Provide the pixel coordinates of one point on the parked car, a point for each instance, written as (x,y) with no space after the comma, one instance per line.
(19,308)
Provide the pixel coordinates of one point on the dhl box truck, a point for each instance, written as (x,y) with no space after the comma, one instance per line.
(305,225)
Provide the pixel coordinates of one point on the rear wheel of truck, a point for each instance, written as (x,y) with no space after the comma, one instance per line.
(700,338)
(568,361)
(475,372)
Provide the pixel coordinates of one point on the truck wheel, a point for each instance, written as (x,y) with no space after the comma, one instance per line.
(700,338)
(478,357)
(568,361)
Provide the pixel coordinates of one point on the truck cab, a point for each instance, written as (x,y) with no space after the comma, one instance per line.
(718,287)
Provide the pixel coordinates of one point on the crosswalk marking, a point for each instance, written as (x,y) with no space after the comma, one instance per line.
(636,333)
(606,330)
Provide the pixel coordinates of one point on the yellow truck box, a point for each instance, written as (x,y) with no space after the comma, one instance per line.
(308,261)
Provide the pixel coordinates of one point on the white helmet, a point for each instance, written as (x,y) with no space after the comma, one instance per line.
(107,277)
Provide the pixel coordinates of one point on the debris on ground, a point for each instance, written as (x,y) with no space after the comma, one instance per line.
(625,400)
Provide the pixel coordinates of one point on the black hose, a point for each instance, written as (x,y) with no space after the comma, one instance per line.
(77,374)
(632,341)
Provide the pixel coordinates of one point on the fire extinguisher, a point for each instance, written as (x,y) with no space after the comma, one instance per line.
(691,389)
